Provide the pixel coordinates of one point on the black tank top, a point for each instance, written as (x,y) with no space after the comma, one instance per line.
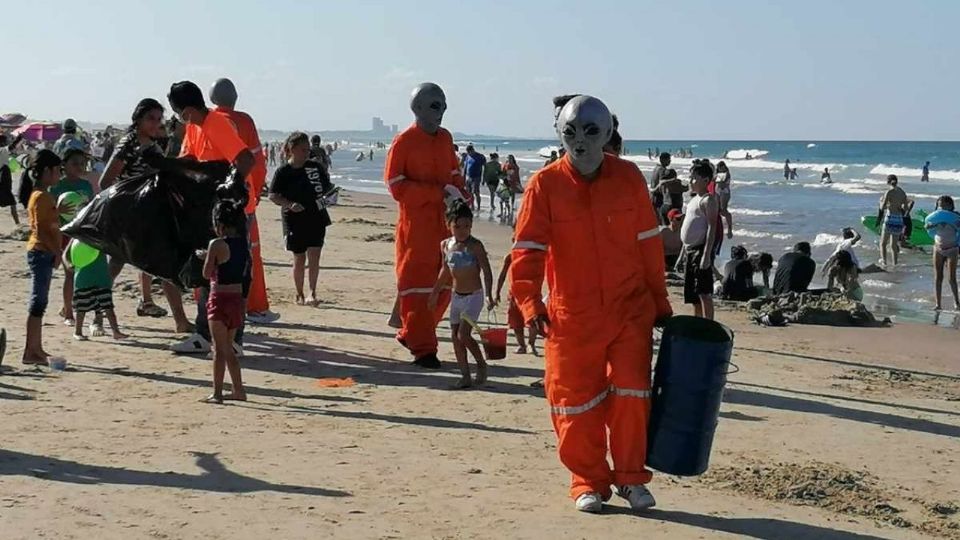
(233,271)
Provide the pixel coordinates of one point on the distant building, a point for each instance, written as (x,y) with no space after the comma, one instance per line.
(378,125)
(393,129)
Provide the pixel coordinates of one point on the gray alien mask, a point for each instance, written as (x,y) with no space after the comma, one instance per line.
(223,93)
(428,103)
(584,127)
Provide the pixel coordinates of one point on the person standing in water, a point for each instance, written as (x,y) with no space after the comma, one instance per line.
(925,174)
(825,176)
(893,208)
(721,187)
(945,249)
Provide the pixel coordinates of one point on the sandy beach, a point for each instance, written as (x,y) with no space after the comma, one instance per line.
(826,433)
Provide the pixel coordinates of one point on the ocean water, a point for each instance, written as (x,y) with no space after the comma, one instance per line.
(771,214)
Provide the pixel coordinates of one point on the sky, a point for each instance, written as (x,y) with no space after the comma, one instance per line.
(684,69)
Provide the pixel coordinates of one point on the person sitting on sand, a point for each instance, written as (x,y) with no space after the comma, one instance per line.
(945,249)
(843,271)
(465,259)
(43,246)
(795,270)
(762,264)
(893,207)
(92,292)
(670,235)
(298,188)
(514,317)
(738,277)
(226,265)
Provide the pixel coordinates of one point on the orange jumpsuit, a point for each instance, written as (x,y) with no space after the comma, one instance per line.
(599,245)
(418,167)
(257,302)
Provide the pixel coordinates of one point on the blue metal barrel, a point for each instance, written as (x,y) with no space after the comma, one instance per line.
(688,386)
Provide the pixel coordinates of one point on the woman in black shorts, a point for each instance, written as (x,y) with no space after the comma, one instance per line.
(301,188)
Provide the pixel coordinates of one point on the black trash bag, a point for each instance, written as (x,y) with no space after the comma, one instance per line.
(157,221)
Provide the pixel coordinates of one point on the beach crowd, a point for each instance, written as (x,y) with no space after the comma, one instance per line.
(598,314)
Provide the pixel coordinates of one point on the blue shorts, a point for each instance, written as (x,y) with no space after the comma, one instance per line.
(41,272)
(893,224)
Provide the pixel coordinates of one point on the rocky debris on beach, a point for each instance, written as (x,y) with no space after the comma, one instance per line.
(379,237)
(834,488)
(826,309)
(21,233)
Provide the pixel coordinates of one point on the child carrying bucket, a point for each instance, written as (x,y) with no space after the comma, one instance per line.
(464,260)
(514,317)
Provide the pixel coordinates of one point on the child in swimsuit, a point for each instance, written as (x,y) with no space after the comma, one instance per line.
(227,259)
(945,250)
(464,259)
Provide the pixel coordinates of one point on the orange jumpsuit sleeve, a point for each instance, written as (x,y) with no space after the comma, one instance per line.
(651,251)
(407,191)
(529,254)
(258,174)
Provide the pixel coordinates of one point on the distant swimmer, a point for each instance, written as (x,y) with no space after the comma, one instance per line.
(371,155)
(553,157)
(361,156)
(786,169)
(925,175)
(793,173)
(825,177)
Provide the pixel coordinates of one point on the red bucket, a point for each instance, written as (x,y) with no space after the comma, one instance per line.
(494,343)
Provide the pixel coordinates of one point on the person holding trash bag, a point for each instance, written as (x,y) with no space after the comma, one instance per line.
(587,207)
(209,136)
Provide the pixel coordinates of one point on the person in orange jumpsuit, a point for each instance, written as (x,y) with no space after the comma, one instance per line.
(422,173)
(223,94)
(585,209)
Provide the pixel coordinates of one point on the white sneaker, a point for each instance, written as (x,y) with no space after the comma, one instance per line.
(638,496)
(590,502)
(263,317)
(195,344)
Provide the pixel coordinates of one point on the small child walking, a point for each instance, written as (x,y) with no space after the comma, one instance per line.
(514,316)
(43,247)
(74,166)
(91,292)
(227,259)
(465,259)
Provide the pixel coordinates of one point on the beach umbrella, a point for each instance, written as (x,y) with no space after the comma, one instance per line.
(12,119)
(39,131)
